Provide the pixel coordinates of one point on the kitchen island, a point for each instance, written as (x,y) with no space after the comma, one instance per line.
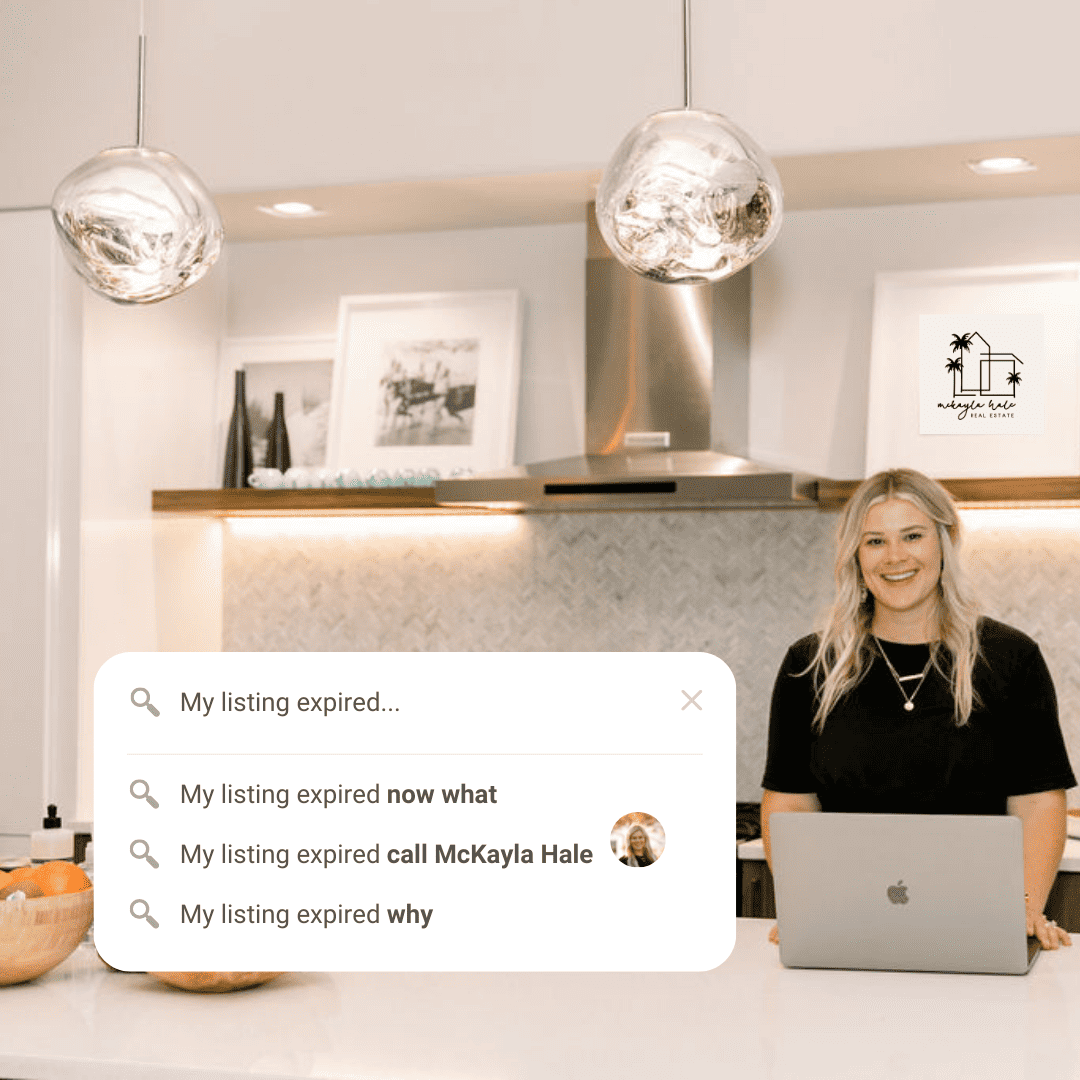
(749,1017)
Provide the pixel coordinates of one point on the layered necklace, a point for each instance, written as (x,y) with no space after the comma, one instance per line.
(909,699)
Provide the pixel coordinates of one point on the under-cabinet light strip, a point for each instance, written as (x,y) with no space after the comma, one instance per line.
(1043,518)
(360,527)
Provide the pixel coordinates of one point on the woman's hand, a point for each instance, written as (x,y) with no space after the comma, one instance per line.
(1042,815)
(772,801)
(1050,935)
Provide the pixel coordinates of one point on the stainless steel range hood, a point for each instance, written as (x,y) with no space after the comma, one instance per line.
(665,407)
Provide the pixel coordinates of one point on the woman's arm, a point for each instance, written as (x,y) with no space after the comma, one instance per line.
(1043,817)
(771,801)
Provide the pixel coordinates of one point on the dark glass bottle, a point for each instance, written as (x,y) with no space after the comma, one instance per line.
(277,438)
(238,462)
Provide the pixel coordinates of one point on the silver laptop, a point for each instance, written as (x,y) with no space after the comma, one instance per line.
(901,892)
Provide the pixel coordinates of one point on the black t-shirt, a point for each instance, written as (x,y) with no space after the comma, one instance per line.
(874,757)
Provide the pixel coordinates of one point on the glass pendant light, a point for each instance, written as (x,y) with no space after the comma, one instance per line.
(137,224)
(688,196)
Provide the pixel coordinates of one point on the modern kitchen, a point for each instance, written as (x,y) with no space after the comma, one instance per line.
(454,149)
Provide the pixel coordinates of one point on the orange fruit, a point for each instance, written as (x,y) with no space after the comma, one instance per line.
(29,890)
(60,877)
(20,873)
(5,877)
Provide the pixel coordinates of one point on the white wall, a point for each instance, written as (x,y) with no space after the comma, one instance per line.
(150,379)
(813,305)
(256,94)
(149,382)
(39,521)
(294,288)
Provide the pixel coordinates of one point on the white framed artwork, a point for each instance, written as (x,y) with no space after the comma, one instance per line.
(973,373)
(301,368)
(426,380)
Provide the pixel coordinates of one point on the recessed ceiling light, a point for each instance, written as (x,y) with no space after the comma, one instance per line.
(995,166)
(291,210)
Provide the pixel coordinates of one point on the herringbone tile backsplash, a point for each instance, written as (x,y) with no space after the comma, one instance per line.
(740,584)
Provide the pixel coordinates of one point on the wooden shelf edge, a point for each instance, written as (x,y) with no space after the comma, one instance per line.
(256,502)
(832,495)
(1000,490)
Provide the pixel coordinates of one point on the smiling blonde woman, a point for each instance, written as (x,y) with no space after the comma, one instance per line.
(639,851)
(911,702)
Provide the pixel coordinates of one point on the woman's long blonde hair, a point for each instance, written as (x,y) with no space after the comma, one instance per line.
(845,651)
(631,857)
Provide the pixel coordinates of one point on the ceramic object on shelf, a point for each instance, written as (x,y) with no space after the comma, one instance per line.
(268,479)
(278,455)
(297,478)
(238,461)
(215,982)
(37,934)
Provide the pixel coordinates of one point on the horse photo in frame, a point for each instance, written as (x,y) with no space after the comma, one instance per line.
(426,380)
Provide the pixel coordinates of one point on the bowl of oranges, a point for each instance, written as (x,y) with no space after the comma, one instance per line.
(44,913)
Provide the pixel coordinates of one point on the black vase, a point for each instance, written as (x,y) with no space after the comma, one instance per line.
(277,438)
(238,462)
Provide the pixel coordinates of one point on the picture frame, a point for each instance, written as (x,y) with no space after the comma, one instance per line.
(914,388)
(426,381)
(303,369)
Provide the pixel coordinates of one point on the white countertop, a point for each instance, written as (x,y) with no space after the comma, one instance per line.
(1070,861)
(749,1017)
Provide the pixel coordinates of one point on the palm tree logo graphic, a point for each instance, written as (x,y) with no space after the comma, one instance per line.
(993,380)
(961,343)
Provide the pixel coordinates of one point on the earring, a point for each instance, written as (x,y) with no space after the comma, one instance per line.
(862,594)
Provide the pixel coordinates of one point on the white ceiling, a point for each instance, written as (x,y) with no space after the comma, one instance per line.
(440,113)
(811,182)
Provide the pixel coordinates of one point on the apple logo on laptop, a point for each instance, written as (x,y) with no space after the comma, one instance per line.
(897,893)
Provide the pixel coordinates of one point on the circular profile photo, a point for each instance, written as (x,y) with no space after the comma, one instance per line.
(637,839)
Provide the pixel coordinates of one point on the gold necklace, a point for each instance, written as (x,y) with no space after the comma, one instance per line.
(909,699)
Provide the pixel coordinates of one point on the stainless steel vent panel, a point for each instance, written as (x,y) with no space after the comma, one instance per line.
(649,360)
(641,481)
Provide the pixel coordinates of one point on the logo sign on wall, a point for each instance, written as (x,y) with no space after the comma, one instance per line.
(982,375)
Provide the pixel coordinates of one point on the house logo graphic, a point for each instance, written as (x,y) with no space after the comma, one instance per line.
(996,373)
(981,374)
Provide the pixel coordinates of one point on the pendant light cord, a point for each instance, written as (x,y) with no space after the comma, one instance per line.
(686,52)
(142,84)
(140,98)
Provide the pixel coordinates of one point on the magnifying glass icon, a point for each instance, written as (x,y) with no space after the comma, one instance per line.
(145,794)
(145,914)
(145,854)
(141,690)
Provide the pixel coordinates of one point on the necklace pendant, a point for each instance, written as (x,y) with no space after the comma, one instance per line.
(909,706)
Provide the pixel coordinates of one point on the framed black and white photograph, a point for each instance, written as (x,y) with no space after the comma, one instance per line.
(428,392)
(301,368)
(426,380)
(974,372)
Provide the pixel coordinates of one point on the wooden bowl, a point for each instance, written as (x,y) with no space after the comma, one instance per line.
(215,982)
(35,935)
